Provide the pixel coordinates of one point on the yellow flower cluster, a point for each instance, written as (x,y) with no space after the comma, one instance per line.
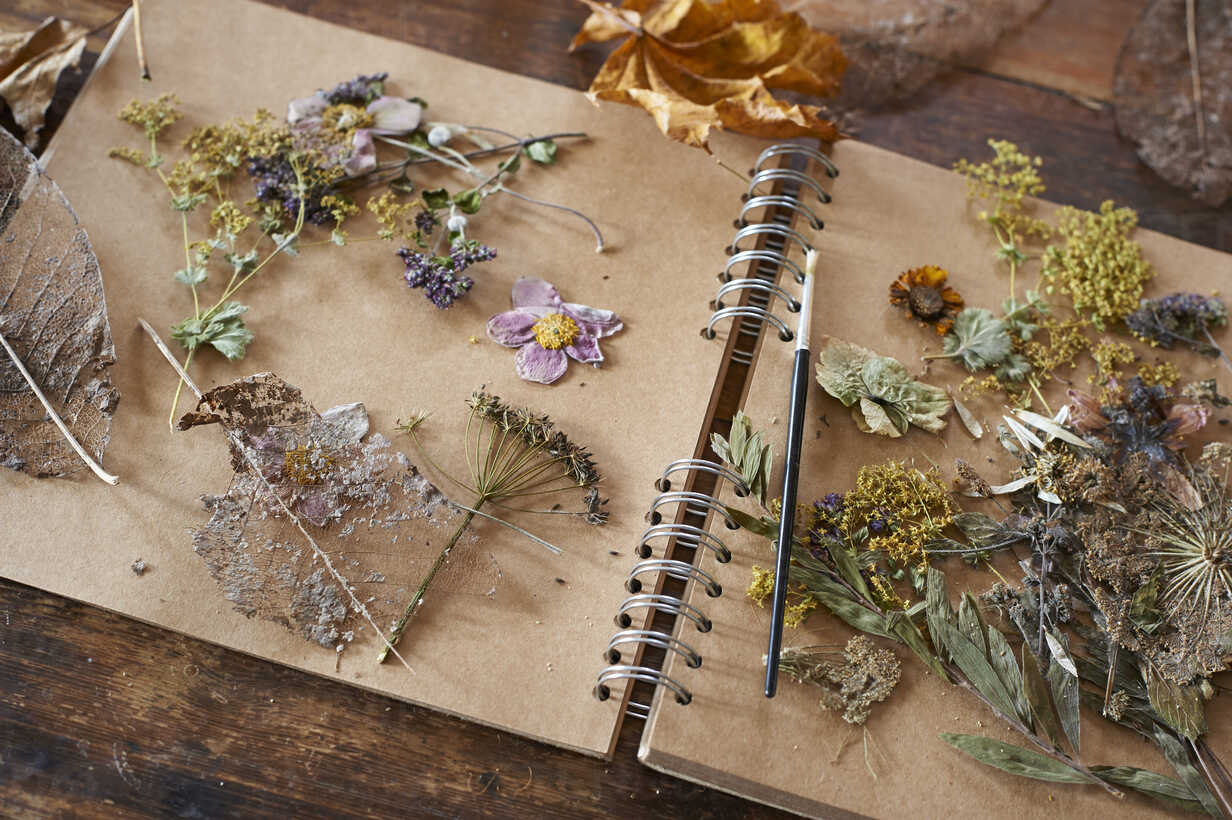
(1109,356)
(903,508)
(1100,268)
(799,603)
(1005,182)
(393,215)
(154,116)
(1164,373)
(228,218)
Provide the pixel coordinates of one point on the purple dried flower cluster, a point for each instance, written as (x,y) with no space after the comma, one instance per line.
(274,180)
(360,91)
(1187,318)
(441,276)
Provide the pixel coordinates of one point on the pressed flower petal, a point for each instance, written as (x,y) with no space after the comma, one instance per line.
(394,114)
(585,348)
(536,363)
(513,328)
(593,321)
(306,107)
(363,155)
(534,292)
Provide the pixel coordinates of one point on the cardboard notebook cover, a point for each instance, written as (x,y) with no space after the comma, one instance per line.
(511,636)
(889,214)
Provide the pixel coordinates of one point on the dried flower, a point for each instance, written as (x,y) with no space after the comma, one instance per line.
(924,294)
(549,331)
(440,276)
(883,397)
(1100,268)
(851,682)
(1184,318)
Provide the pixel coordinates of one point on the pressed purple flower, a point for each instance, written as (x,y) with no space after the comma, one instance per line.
(441,277)
(341,122)
(549,331)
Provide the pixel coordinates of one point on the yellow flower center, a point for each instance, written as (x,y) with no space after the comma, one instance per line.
(345,118)
(556,330)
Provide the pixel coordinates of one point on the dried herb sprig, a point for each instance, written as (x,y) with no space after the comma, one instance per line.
(511,453)
(851,681)
(1181,318)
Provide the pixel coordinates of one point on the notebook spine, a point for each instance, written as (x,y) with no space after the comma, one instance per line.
(669,533)
(779,193)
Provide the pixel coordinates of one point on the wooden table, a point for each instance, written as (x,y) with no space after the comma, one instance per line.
(100,715)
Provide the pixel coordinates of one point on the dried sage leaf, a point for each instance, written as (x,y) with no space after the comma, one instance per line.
(1165,789)
(1181,707)
(1014,759)
(53,316)
(1064,688)
(1039,699)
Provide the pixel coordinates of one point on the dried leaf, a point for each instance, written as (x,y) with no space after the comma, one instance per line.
(1165,789)
(746,454)
(978,339)
(1181,707)
(967,417)
(320,524)
(1050,427)
(883,398)
(1155,99)
(1014,759)
(31,63)
(895,47)
(53,315)
(696,65)
(1176,755)
(1039,699)
(1064,688)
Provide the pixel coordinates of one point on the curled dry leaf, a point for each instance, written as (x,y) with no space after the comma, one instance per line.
(1158,107)
(895,47)
(31,63)
(323,526)
(53,317)
(697,65)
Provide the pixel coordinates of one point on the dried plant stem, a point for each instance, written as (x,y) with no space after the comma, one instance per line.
(320,554)
(141,61)
(1191,34)
(549,546)
(1214,774)
(55,417)
(412,608)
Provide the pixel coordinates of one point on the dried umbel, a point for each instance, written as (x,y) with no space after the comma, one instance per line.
(850,681)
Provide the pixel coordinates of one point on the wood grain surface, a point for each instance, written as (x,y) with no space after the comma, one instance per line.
(103,716)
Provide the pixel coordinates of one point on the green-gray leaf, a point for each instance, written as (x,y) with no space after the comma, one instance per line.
(1181,707)
(541,151)
(974,664)
(1064,688)
(978,339)
(435,199)
(191,276)
(1014,759)
(1039,699)
(468,201)
(883,397)
(224,331)
(1165,789)
(981,530)
(1174,752)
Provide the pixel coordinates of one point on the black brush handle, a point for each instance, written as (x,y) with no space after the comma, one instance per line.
(791,480)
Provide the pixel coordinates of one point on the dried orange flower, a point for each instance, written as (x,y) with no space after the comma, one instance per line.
(923,292)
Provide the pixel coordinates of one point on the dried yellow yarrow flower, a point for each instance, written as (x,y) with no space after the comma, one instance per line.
(1164,373)
(1100,268)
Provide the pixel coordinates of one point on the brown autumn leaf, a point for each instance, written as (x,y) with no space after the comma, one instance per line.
(325,529)
(1155,100)
(31,63)
(695,65)
(53,317)
(895,47)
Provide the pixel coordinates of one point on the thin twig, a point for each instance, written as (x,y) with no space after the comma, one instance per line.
(551,547)
(1191,34)
(55,417)
(321,555)
(141,61)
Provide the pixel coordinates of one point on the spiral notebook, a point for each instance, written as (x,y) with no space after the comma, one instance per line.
(708,720)
(517,639)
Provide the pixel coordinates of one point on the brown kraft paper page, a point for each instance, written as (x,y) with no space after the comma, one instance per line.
(512,636)
(889,214)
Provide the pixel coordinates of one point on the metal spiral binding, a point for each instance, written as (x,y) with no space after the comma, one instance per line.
(779,193)
(688,535)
